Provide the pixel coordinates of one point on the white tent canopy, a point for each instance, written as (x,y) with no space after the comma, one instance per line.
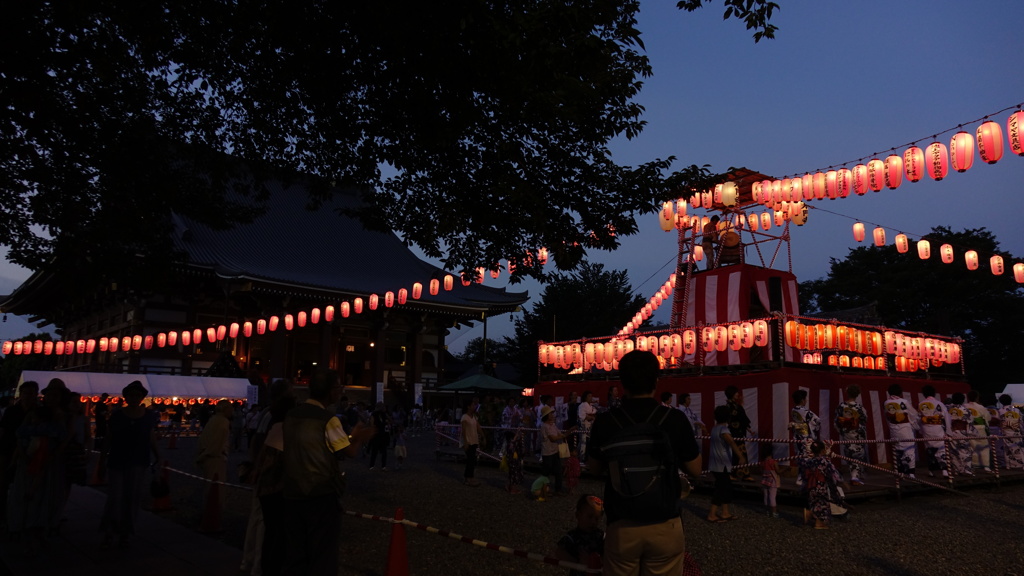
(1016,391)
(159,385)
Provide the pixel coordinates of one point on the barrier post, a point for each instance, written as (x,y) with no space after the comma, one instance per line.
(398,557)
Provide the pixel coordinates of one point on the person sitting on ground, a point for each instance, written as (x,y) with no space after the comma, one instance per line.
(584,543)
(541,488)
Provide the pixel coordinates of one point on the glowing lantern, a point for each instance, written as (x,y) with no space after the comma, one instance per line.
(346,309)
(666,217)
(760,333)
(721,338)
(893,171)
(707,200)
(172,338)
(136,344)
(844,361)
(708,338)
(902,244)
(147,343)
(466,281)
(1018,272)
(689,342)
(766,221)
(924,249)
(780,218)
(947,253)
(971,257)
(403,296)
(417,291)
(793,330)
(247,329)
(357,305)
(374,301)
(273,323)
(314,316)
(18,346)
(860,179)
(961,151)
(435,285)
(126,344)
(755,191)
(233,330)
(876,175)
(261,326)
(103,344)
(858,231)
(996,264)
(913,163)
(879,235)
(300,319)
(211,335)
(449,280)
(161,340)
(800,217)
(747,334)
(8,347)
(807,183)
(730,194)
(37,347)
(329,314)
(990,142)
(938,160)
(797,189)
(1013,132)
(479,276)
(48,347)
(389,299)
(832,184)
(820,188)
(222,332)
(197,337)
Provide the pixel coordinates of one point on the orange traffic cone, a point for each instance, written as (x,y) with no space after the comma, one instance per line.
(398,556)
(161,491)
(210,524)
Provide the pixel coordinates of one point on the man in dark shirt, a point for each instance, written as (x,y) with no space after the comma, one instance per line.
(632,545)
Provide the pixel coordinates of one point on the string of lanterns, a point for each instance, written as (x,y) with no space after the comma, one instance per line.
(652,304)
(912,352)
(290,321)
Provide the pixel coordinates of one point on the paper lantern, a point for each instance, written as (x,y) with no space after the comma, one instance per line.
(37,347)
(389,299)
(449,280)
(222,332)
(1013,132)
(435,285)
(479,276)
(860,179)
(211,335)
(247,329)
(273,323)
(689,342)
(147,343)
(971,257)
(197,337)
(760,333)
(730,194)
(172,338)
(666,217)
(8,347)
(961,151)
(902,244)
(876,175)
(403,296)
(136,343)
(466,280)
(542,256)
(879,235)
(819,185)
(938,160)
(766,221)
(913,163)
(780,218)
(300,319)
(48,347)
(807,183)
(17,347)
(796,189)
(924,249)
(346,309)
(374,301)
(990,142)
(893,171)
(314,316)
(103,344)
(233,330)
(946,251)
(417,291)
(1018,272)
(996,264)
(161,340)
(357,305)
(793,334)
(832,184)
(858,231)
(329,314)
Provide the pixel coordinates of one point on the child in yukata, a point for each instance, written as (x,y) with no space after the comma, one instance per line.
(851,421)
(935,426)
(959,446)
(584,543)
(804,424)
(769,480)
(903,420)
(821,486)
(1010,418)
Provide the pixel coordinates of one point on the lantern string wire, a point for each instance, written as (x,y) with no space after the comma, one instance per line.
(914,142)
(959,248)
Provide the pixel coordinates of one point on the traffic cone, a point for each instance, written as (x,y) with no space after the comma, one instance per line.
(398,556)
(162,500)
(210,524)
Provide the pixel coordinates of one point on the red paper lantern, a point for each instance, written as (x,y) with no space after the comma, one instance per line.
(893,171)
(103,344)
(435,285)
(357,305)
(902,244)
(389,299)
(172,338)
(990,142)
(924,249)
(211,335)
(466,281)
(8,347)
(346,309)
(971,257)
(127,344)
(832,184)
(820,186)
(876,175)
(301,318)
(48,347)
(913,163)
(403,296)
(186,338)
(197,336)
(938,160)
(261,326)
(996,264)
(947,253)
(222,332)
(766,221)
(1018,272)
(329,314)
(961,151)
(147,343)
(1013,132)
(860,179)
(417,291)
(797,189)
(807,183)
(858,231)
(879,235)
(58,347)
(449,280)
(136,343)
(161,340)
(18,346)
(37,347)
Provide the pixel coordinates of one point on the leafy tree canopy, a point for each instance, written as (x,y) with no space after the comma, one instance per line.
(985,310)
(501,352)
(476,130)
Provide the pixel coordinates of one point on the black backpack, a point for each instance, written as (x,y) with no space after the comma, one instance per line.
(642,469)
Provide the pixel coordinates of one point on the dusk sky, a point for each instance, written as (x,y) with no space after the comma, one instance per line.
(842,82)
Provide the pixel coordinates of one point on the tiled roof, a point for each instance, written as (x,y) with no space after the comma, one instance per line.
(291,246)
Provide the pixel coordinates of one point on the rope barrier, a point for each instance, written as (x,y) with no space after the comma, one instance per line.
(480,543)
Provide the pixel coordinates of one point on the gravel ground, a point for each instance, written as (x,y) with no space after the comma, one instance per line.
(928,534)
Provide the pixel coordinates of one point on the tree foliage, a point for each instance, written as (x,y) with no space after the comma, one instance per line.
(501,352)
(590,302)
(478,131)
(985,310)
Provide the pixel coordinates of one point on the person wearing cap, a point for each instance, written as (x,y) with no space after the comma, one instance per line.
(130,442)
(551,437)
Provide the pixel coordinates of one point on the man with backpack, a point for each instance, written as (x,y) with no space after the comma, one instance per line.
(642,447)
